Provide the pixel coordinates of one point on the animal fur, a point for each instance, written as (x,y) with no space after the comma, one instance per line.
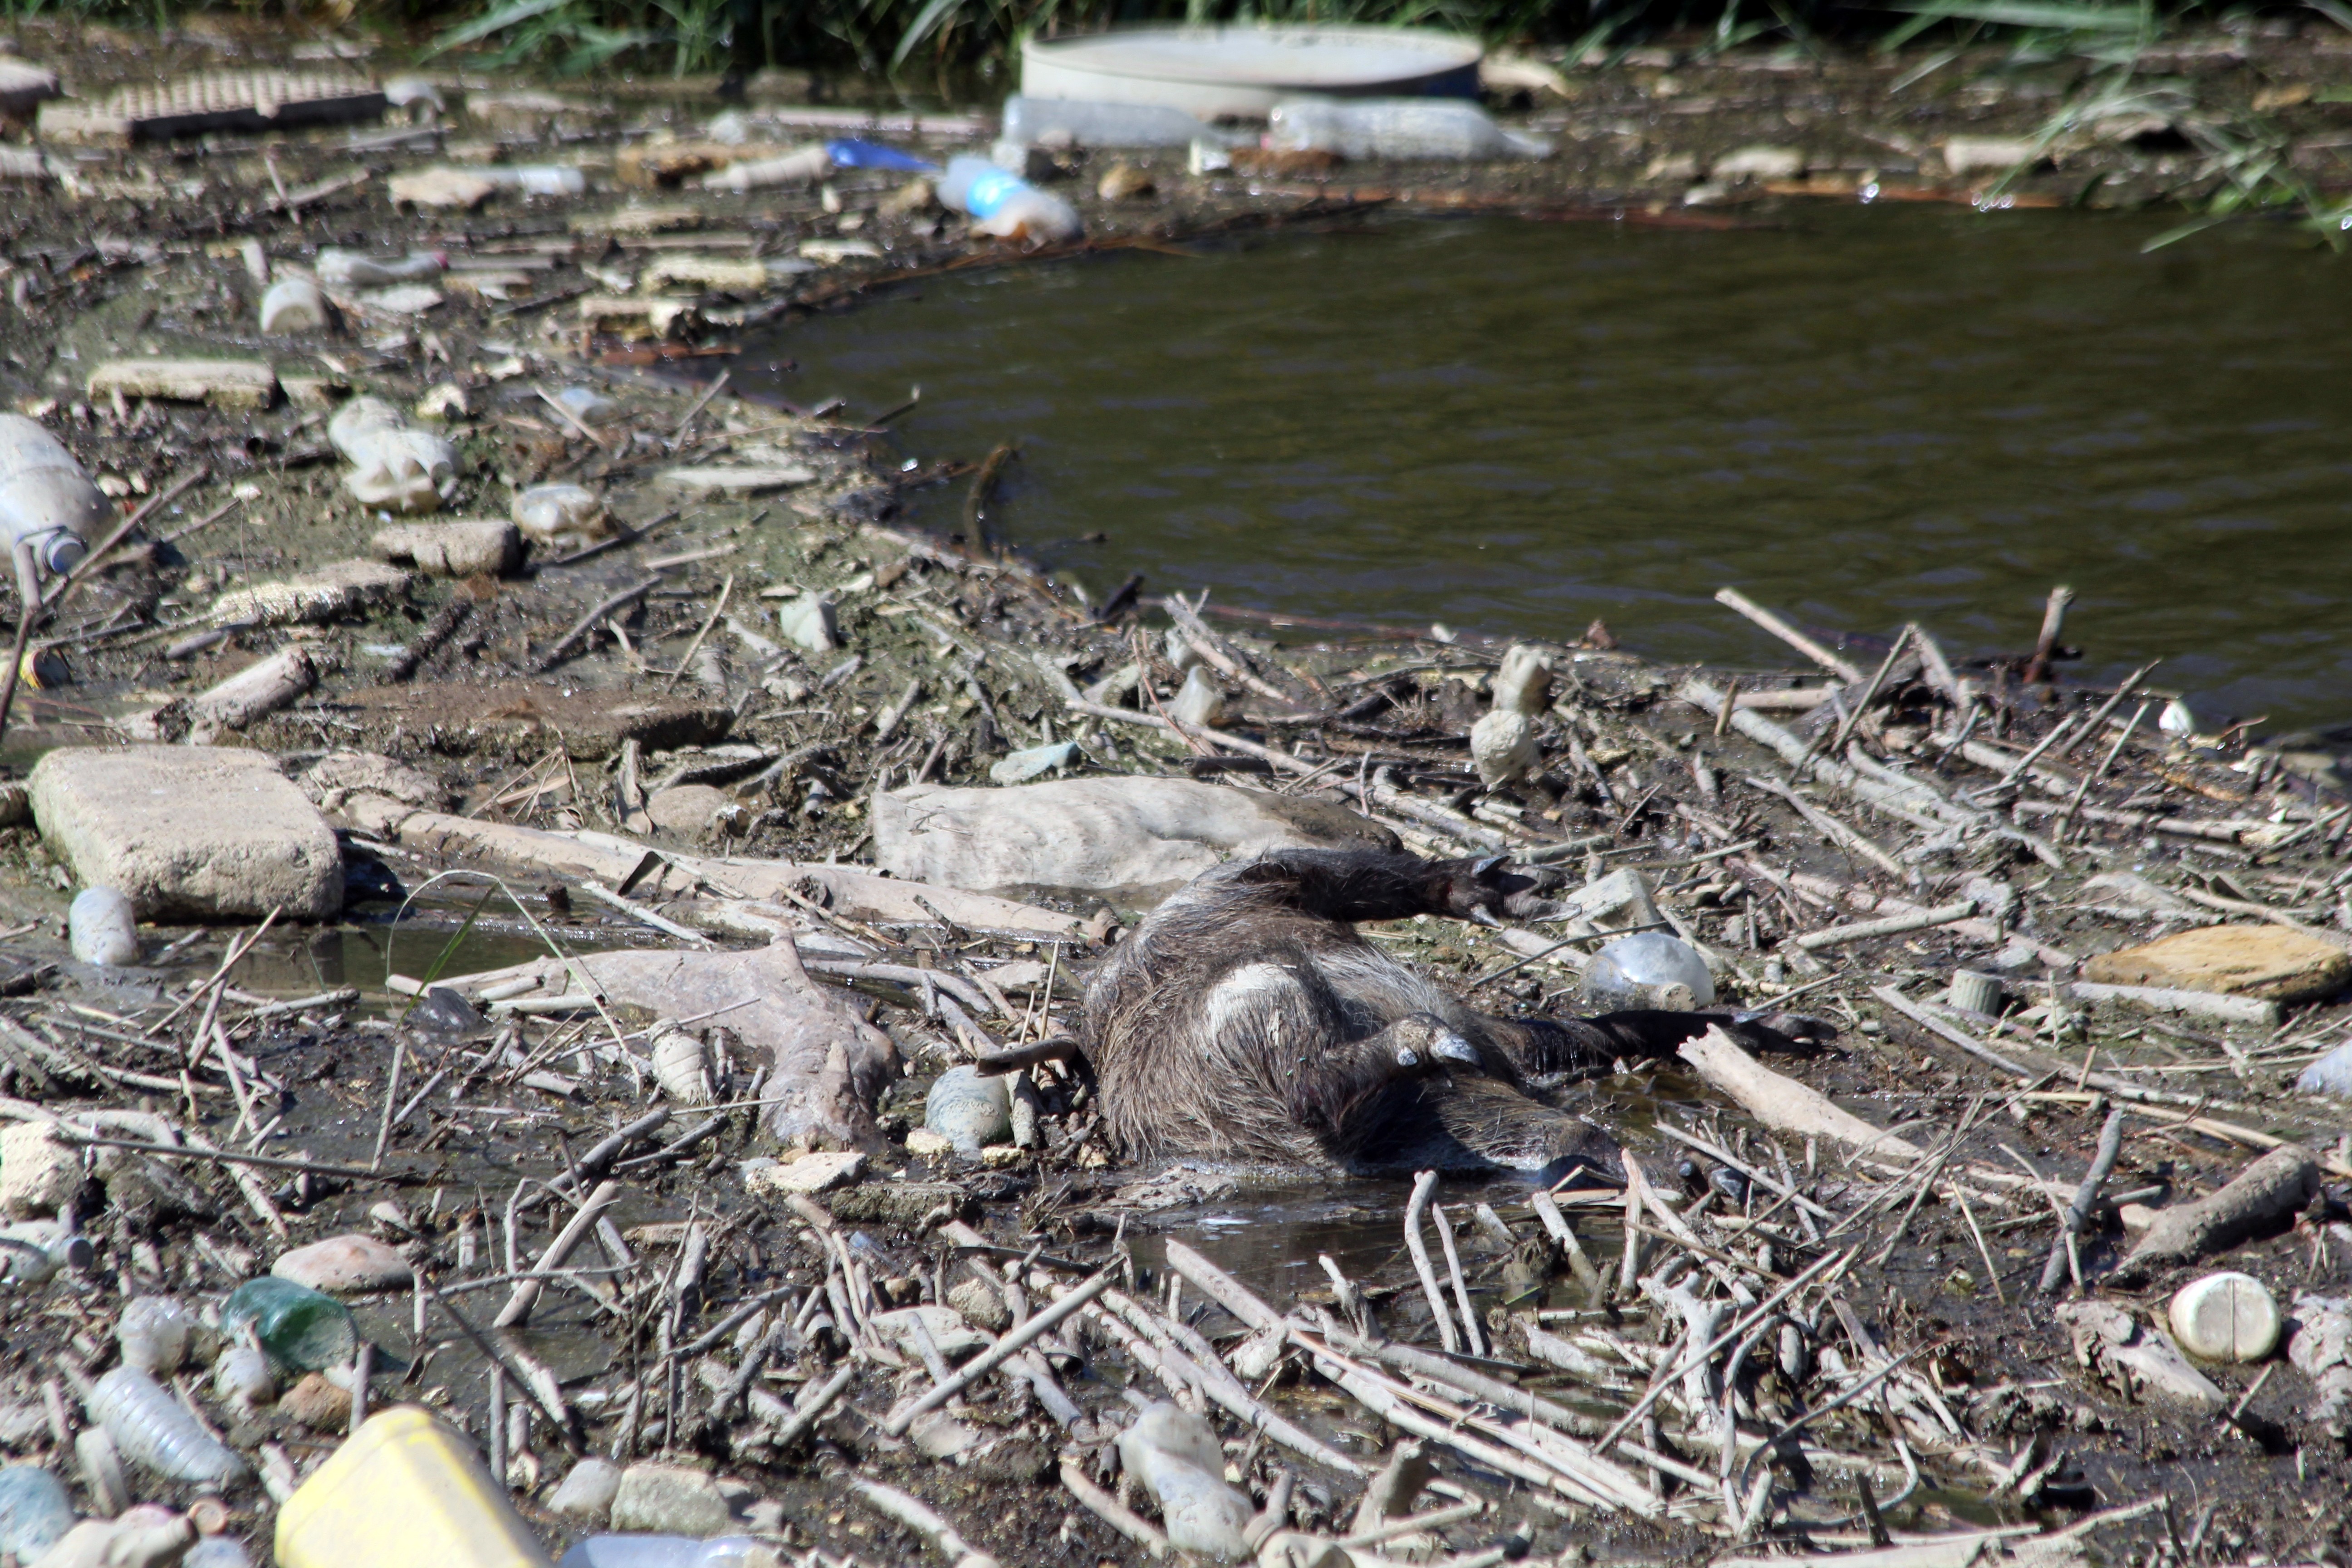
(1248,1019)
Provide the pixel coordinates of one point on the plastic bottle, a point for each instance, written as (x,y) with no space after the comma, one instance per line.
(103,926)
(157,1333)
(46,497)
(151,1427)
(549,514)
(801,166)
(1006,205)
(35,1511)
(1038,121)
(1648,970)
(394,463)
(1396,128)
(406,1490)
(669,1552)
(33,1250)
(300,1327)
(341,266)
(242,1378)
(536,179)
(1174,1454)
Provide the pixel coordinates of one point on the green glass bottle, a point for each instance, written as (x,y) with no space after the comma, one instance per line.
(296,1325)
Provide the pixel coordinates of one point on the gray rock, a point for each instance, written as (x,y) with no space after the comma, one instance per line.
(195,832)
(342,1264)
(460,549)
(2331,1074)
(587,1493)
(969,1110)
(670,1500)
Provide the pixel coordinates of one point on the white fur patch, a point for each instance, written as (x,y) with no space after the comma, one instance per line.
(1252,989)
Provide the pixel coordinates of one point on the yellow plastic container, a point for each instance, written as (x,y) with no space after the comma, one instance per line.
(405,1491)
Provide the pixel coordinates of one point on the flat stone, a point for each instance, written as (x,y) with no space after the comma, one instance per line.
(739,480)
(344,1265)
(903,1204)
(339,775)
(587,1492)
(809,1174)
(460,549)
(339,588)
(2262,961)
(39,1171)
(688,809)
(670,1500)
(196,832)
(225,384)
(2227,1316)
(316,1404)
(593,724)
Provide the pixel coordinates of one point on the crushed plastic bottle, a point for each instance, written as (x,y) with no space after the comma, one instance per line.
(560,514)
(147,1536)
(151,1428)
(1039,122)
(393,464)
(242,1377)
(103,928)
(1396,128)
(405,1490)
(159,1334)
(301,1327)
(1174,1454)
(339,268)
(35,1511)
(1006,205)
(669,1552)
(46,497)
(1648,970)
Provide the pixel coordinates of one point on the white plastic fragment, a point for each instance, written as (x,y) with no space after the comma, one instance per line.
(393,464)
(1174,1454)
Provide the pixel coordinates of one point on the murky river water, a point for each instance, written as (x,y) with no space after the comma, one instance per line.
(1863,416)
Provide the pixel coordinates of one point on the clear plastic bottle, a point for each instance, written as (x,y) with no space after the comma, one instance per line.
(801,167)
(353,267)
(1396,128)
(537,179)
(35,1511)
(103,928)
(1006,205)
(45,496)
(393,463)
(1648,970)
(669,1552)
(157,1333)
(1038,121)
(151,1427)
(300,1327)
(33,1250)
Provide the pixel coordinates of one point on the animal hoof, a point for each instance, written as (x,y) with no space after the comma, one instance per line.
(1407,1057)
(1452,1048)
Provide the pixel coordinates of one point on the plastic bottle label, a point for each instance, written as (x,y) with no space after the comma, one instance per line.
(990,190)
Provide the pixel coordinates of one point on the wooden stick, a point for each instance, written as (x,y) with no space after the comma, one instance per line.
(1788,633)
(2053,621)
(1783,1102)
(1894,925)
(1470,1331)
(1108,1509)
(1423,1182)
(526,1292)
(2070,1221)
(1007,1345)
